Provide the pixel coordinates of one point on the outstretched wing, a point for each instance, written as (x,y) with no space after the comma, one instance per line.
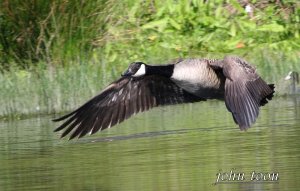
(245,91)
(120,100)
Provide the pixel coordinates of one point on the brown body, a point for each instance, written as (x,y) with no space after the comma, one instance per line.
(197,77)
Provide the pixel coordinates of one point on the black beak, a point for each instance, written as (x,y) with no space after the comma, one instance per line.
(126,73)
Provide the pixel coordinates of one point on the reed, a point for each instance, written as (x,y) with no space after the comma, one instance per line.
(43,90)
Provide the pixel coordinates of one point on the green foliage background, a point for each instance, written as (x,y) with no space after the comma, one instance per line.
(44,44)
(60,31)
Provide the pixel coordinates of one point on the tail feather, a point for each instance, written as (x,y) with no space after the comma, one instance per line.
(265,99)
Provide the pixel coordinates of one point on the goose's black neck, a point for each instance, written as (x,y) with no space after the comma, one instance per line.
(162,70)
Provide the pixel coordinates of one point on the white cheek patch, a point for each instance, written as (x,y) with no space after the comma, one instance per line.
(141,71)
(288,77)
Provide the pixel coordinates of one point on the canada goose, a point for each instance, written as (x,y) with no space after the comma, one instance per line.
(294,77)
(143,87)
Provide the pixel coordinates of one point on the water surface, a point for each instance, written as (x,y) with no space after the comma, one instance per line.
(182,147)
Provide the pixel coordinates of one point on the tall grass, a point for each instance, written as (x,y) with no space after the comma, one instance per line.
(41,90)
(59,32)
(55,31)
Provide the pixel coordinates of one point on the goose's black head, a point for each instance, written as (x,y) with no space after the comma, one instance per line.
(135,69)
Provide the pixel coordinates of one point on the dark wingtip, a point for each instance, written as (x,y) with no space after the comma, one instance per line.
(81,135)
(56,130)
(74,135)
(70,138)
(244,128)
(56,119)
(65,116)
(61,127)
(265,99)
(64,134)
(272,86)
(61,118)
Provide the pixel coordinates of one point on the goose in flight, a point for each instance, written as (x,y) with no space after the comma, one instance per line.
(142,87)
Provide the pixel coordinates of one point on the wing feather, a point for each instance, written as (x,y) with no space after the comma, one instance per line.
(245,91)
(119,101)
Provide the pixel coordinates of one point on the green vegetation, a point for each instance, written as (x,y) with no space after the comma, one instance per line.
(55,54)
